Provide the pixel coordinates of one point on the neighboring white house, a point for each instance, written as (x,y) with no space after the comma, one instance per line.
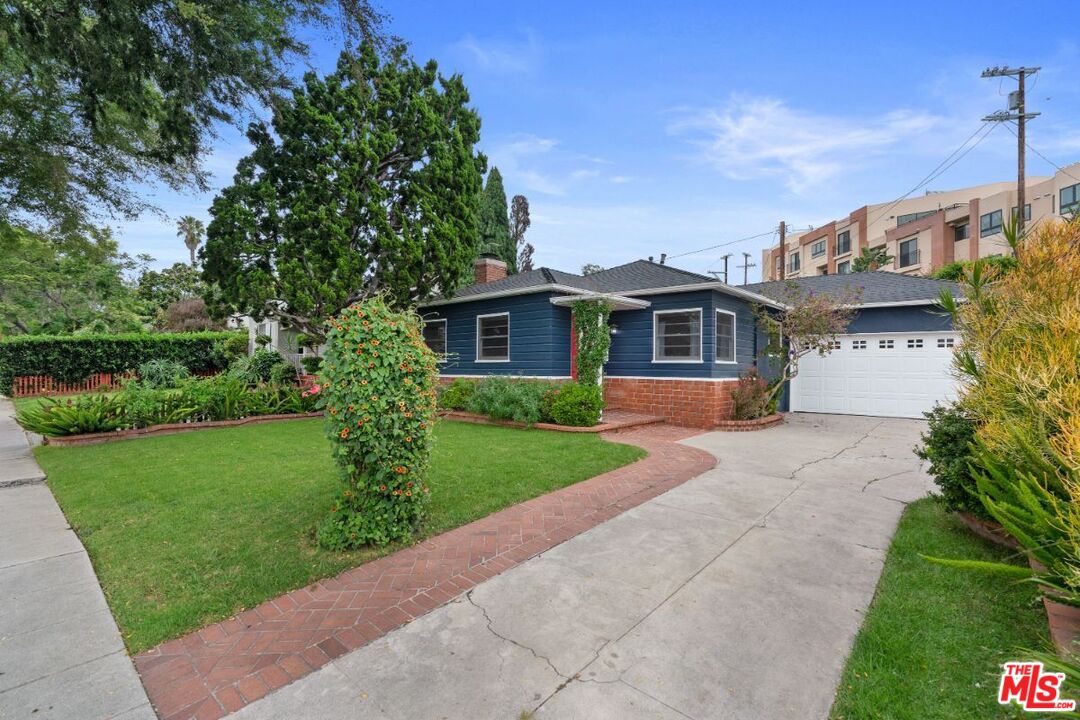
(282,339)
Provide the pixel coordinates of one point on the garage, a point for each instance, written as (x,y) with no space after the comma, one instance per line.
(885,374)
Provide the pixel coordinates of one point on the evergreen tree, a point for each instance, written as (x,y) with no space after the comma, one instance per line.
(495,222)
(519,223)
(368,185)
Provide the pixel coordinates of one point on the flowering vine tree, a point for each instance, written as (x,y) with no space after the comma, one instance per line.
(377,386)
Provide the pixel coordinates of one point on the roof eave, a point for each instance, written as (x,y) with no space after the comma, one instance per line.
(718,286)
(618,301)
(549,287)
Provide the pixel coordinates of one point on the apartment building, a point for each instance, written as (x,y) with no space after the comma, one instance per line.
(924,233)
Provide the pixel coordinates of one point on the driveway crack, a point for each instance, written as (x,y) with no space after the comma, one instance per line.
(884,477)
(493,631)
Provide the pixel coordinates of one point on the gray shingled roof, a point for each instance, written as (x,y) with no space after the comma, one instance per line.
(877,287)
(637,275)
(532,278)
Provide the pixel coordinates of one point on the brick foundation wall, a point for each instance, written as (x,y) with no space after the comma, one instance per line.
(690,403)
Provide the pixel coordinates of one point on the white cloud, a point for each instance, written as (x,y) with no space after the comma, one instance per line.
(753,137)
(521,55)
(531,163)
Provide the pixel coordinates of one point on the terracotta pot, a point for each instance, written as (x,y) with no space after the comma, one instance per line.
(988,530)
(1064,625)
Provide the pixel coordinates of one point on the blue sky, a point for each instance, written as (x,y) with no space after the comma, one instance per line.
(641,128)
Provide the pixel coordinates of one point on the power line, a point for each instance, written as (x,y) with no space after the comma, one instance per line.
(1051,162)
(723,244)
(950,160)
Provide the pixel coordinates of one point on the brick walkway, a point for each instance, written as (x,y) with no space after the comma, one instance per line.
(221,668)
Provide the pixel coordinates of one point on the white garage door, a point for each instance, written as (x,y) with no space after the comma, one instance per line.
(893,375)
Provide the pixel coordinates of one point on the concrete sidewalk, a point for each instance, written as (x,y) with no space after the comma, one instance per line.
(61,655)
(736,595)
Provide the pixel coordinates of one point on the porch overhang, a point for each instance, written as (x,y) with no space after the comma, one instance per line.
(617,302)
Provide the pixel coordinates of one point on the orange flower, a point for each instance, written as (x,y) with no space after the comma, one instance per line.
(408,414)
(363,382)
(408,439)
(408,493)
(408,485)
(375,342)
(333,411)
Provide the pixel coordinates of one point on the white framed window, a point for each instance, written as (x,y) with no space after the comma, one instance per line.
(834,345)
(1070,199)
(843,268)
(677,335)
(794,261)
(914,343)
(946,342)
(817,248)
(435,337)
(493,337)
(885,344)
(858,344)
(725,336)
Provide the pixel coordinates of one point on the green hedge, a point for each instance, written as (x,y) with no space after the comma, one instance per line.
(73,358)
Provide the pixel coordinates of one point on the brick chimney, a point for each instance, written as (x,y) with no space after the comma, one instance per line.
(488,269)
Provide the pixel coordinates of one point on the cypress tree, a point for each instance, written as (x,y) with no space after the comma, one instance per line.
(495,222)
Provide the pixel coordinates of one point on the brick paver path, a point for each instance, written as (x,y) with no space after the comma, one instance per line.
(221,668)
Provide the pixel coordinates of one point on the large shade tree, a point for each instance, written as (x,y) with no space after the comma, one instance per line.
(62,284)
(368,183)
(96,96)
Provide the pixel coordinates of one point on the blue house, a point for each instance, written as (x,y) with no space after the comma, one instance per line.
(679,339)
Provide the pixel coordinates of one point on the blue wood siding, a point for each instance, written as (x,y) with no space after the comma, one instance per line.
(915,318)
(539,336)
(632,345)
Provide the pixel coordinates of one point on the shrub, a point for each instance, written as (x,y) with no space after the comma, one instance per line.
(547,403)
(947,447)
(1020,340)
(258,368)
(162,373)
(577,405)
(233,347)
(73,416)
(503,398)
(220,397)
(72,359)
(283,375)
(311,364)
(752,396)
(455,396)
(377,384)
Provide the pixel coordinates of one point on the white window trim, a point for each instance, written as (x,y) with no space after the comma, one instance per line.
(734,339)
(488,315)
(824,242)
(701,336)
(446,336)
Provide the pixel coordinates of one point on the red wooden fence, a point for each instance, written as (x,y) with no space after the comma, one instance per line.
(32,385)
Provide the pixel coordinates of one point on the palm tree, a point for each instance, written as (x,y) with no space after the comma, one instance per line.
(871,259)
(191,230)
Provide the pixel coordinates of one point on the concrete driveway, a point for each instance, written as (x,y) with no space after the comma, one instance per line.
(735,595)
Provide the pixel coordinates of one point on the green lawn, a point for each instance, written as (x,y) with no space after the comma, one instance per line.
(932,642)
(188,529)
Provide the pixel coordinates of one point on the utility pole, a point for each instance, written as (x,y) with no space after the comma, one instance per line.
(746,266)
(1017,111)
(725,258)
(783,249)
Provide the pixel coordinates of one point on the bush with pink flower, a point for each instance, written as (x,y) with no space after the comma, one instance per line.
(377,385)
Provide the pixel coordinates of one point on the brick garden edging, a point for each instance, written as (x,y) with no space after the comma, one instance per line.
(223,667)
(168,429)
(749,425)
(618,420)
